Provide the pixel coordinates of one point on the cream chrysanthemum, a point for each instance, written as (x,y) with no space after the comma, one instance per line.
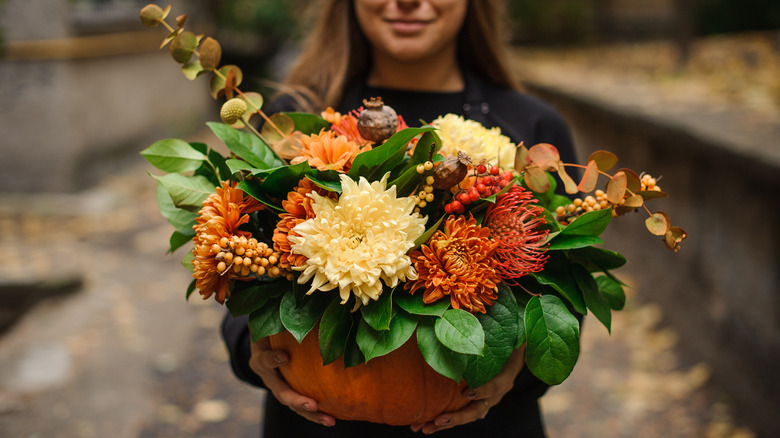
(480,143)
(353,243)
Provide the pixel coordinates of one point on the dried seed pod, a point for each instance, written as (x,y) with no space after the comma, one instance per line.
(451,171)
(377,122)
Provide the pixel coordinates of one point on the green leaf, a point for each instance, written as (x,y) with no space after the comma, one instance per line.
(352,354)
(299,320)
(186,261)
(378,313)
(375,163)
(500,324)
(557,275)
(246,297)
(308,123)
(595,302)
(592,223)
(553,343)
(334,331)
(375,343)
(414,304)
(282,180)
(428,233)
(445,361)
(522,297)
(187,192)
(612,291)
(182,220)
(179,239)
(572,241)
(604,259)
(254,189)
(190,289)
(460,331)
(219,162)
(266,321)
(173,156)
(246,146)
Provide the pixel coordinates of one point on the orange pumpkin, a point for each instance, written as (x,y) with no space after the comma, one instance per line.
(399,388)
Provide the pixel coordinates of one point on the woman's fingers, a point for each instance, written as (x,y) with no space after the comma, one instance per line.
(265,362)
(474,411)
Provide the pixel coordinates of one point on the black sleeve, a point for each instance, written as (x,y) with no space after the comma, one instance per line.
(235,334)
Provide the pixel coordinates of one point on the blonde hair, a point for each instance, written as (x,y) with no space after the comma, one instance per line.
(336,51)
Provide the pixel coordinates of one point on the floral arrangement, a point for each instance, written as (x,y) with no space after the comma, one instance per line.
(374,232)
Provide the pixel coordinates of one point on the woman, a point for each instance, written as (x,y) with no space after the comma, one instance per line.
(425,58)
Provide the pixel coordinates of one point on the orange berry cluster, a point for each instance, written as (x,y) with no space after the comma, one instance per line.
(580,206)
(488,181)
(246,256)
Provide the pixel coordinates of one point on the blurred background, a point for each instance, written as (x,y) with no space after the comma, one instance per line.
(96,338)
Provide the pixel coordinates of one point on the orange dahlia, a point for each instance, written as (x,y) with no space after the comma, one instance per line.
(298,207)
(329,151)
(458,262)
(217,223)
(515,221)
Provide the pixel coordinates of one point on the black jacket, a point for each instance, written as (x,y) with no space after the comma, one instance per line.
(522,118)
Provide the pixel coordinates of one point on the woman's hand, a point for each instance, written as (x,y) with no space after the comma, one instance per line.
(483,398)
(264,362)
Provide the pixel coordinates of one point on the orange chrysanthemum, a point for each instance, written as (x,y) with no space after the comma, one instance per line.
(298,207)
(329,151)
(221,215)
(458,262)
(515,221)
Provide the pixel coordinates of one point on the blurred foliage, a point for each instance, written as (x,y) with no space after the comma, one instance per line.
(546,22)
(722,16)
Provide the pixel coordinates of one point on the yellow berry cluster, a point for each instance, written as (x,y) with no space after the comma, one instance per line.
(247,256)
(580,206)
(425,196)
(648,183)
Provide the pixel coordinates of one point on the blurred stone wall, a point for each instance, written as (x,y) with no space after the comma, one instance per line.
(721,291)
(84,89)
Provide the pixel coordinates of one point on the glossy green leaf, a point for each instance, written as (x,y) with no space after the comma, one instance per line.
(334,330)
(246,146)
(500,324)
(246,297)
(553,339)
(445,361)
(173,155)
(282,180)
(375,163)
(612,291)
(190,289)
(179,239)
(299,320)
(592,223)
(460,331)
(266,321)
(604,259)
(573,241)
(187,192)
(414,304)
(182,220)
(596,303)
(557,275)
(254,189)
(375,343)
(378,313)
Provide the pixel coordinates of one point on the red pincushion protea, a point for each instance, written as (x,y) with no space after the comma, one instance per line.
(515,221)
